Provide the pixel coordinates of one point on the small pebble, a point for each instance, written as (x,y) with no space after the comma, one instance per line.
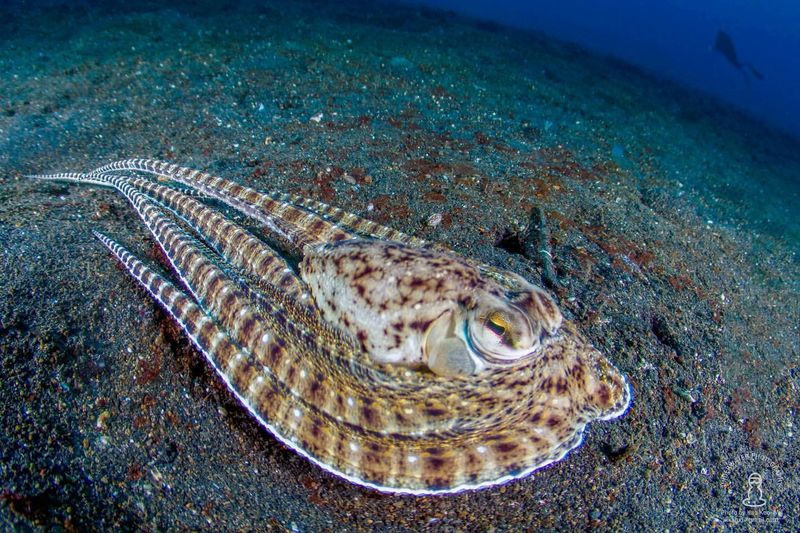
(434,220)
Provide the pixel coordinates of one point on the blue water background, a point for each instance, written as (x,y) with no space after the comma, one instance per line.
(674,39)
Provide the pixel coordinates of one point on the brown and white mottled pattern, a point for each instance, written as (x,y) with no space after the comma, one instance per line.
(407,305)
(306,352)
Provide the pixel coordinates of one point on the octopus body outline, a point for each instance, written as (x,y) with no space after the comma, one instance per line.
(291,350)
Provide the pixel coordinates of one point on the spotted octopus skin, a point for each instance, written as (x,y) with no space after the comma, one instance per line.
(317,390)
(387,294)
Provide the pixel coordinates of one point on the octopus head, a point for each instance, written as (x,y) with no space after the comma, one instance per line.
(500,328)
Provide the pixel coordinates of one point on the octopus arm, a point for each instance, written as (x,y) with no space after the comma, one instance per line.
(260,263)
(297,227)
(347,220)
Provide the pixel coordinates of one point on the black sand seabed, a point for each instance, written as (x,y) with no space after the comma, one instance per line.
(673,220)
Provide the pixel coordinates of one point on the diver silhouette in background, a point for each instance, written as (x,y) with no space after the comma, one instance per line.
(724,45)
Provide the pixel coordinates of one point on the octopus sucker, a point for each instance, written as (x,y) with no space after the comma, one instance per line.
(396,364)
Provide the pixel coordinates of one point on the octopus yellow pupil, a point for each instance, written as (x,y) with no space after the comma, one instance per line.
(497,324)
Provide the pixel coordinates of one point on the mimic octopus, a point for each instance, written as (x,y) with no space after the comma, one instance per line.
(394,363)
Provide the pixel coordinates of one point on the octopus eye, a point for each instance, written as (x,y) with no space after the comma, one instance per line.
(497,324)
(501,334)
